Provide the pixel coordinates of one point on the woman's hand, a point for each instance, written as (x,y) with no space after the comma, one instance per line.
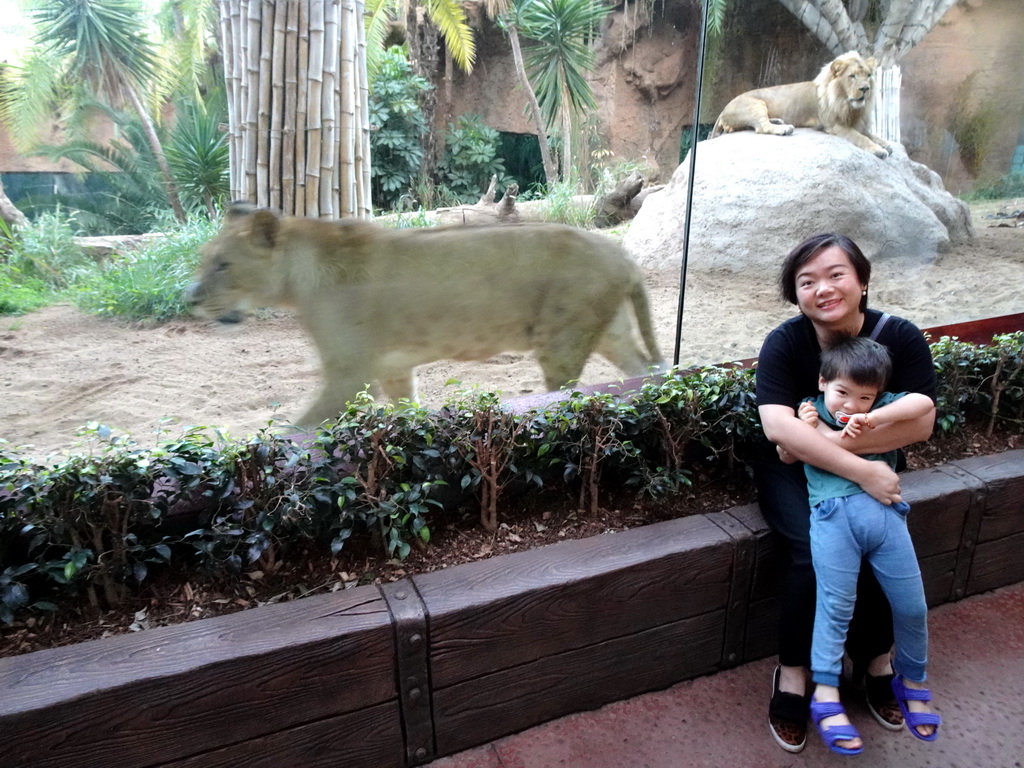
(880,482)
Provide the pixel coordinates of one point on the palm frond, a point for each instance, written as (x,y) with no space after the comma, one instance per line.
(450,18)
(716,16)
(560,56)
(30,95)
(104,41)
(378,17)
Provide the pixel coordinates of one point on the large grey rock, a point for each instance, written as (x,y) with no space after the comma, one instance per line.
(757,196)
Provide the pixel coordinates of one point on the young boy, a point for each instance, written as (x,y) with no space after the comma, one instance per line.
(848,525)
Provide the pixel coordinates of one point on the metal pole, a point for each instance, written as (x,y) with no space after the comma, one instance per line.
(689,182)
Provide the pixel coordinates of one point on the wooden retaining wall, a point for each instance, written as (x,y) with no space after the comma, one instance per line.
(392,676)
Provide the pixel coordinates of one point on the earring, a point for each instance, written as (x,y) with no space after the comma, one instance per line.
(864,293)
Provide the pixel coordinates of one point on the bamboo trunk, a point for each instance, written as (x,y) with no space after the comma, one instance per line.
(298,99)
(349,94)
(288,118)
(328,110)
(301,97)
(277,81)
(250,96)
(363,179)
(263,105)
(314,116)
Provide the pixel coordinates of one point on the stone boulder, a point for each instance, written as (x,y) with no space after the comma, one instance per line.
(757,196)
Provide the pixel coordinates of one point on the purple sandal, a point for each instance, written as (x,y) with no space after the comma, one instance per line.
(831,734)
(915,719)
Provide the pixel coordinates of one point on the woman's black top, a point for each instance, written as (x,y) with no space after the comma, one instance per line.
(788,366)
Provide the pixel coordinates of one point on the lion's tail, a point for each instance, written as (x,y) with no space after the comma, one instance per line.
(642,311)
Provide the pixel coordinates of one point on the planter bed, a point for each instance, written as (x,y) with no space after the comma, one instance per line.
(400,674)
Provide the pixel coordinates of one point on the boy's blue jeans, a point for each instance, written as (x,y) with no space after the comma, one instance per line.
(843,531)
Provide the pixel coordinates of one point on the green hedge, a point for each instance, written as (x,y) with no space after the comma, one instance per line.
(100,524)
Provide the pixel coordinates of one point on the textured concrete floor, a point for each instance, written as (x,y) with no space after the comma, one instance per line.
(977,678)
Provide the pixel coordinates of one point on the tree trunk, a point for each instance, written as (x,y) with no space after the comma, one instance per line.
(424,57)
(885,117)
(617,205)
(158,154)
(298,114)
(550,171)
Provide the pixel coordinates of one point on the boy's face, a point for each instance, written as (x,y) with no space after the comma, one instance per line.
(843,398)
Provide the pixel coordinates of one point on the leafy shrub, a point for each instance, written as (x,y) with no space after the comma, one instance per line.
(980,380)
(44,250)
(398,126)
(147,284)
(20,294)
(100,524)
(37,262)
(199,160)
(471,159)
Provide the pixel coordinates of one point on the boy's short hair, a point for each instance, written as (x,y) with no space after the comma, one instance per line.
(859,358)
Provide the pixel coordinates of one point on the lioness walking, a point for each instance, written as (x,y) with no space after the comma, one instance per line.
(378,302)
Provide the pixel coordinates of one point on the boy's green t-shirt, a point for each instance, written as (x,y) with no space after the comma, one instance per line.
(823,485)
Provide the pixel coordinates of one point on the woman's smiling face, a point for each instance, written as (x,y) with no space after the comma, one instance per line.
(829,291)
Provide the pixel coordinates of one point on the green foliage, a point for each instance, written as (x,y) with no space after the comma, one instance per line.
(471,159)
(561,55)
(133,200)
(398,126)
(1010,185)
(19,294)
(448,16)
(563,207)
(99,524)
(44,250)
(38,262)
(979,380)
(198,156)
(147,284)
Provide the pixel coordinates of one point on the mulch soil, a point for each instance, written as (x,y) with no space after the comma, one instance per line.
(174,598)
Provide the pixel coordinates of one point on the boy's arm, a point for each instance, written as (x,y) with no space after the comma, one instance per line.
(908,407)
(891,435)
(807,444)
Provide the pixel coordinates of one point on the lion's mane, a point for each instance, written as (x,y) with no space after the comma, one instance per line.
(837,101)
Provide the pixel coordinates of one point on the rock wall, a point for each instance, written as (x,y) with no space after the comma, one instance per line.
(645,79)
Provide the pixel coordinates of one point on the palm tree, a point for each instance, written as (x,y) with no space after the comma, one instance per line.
(190,47)
(506,15)
(101,45)
(560,59)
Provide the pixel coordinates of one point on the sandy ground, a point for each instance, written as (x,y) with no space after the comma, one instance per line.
(60,369)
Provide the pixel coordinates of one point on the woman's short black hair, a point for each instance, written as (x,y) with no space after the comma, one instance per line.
(810,248)
(866,362)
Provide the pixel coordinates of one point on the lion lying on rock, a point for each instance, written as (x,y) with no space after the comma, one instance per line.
(837,101)
(378,302)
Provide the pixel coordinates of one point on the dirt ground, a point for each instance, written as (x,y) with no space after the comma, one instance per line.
(60,369)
